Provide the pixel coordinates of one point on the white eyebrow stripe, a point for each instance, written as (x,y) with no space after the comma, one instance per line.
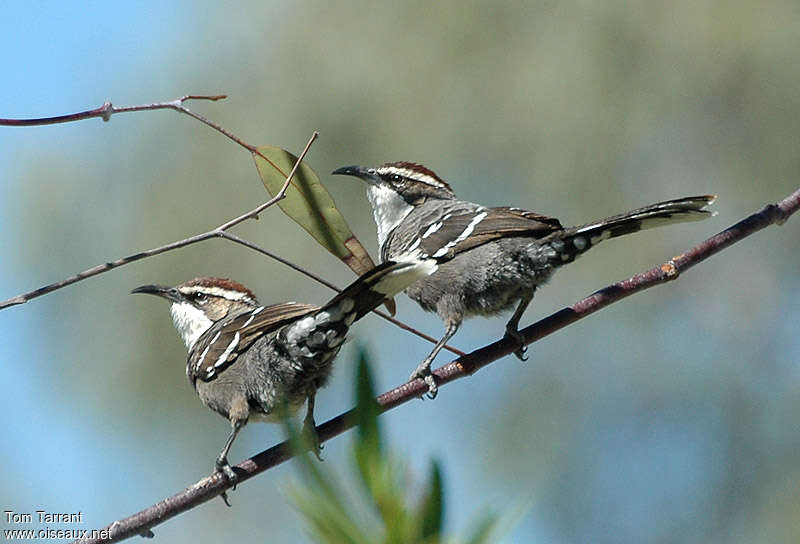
(215,292)
(463,236)
(416,175)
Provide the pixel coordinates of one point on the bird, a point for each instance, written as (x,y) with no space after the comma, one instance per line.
(246,361)
(491,259)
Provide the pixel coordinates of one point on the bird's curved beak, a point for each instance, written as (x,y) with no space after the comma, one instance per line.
(361,172)
(164,291)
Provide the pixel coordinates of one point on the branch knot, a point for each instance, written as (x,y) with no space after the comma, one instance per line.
(670,270)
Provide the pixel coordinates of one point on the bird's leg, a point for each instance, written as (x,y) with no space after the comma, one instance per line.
(512,327)
(423,371)
(310,428)
(222,464)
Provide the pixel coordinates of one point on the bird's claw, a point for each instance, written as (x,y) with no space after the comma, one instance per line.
(309,431)
(225,468)
(517,337)
(433,389)
(430,380)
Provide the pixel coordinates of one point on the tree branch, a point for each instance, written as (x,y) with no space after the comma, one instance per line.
(326,283)
(107,110)
(216,232)
(214,485)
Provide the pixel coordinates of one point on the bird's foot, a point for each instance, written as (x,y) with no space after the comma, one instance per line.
(225,468)
(514,334)
(309,432)
(423,372)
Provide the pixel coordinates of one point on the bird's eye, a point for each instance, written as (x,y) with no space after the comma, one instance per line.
(396,178)
(200,298)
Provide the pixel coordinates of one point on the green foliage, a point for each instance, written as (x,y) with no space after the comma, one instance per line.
(387,513)
(310,204)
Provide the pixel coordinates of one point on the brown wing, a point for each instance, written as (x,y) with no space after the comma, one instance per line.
(220,345)
(462,232)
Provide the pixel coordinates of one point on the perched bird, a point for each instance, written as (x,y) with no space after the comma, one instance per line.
(490,259)
(247,360)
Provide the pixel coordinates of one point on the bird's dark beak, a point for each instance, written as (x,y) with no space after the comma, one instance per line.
(361,172)
(169,293)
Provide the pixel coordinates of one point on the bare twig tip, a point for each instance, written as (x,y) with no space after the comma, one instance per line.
(213,97)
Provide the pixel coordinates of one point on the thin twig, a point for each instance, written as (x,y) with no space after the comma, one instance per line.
(105,112)
(215,232)
(329,285)
(296,267)
(416,332)
(101,268)
(214,485)
(280,196)
(177,105)
(108,109)
(218,232)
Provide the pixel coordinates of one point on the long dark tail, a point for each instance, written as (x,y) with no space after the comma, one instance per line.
(573,241)
(326,328)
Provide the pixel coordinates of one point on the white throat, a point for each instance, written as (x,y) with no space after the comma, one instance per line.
(388,209)
(190,322)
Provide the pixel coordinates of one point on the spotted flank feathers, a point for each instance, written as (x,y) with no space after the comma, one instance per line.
(319,334)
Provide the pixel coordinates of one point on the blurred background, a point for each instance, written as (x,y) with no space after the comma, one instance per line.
(669,417)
